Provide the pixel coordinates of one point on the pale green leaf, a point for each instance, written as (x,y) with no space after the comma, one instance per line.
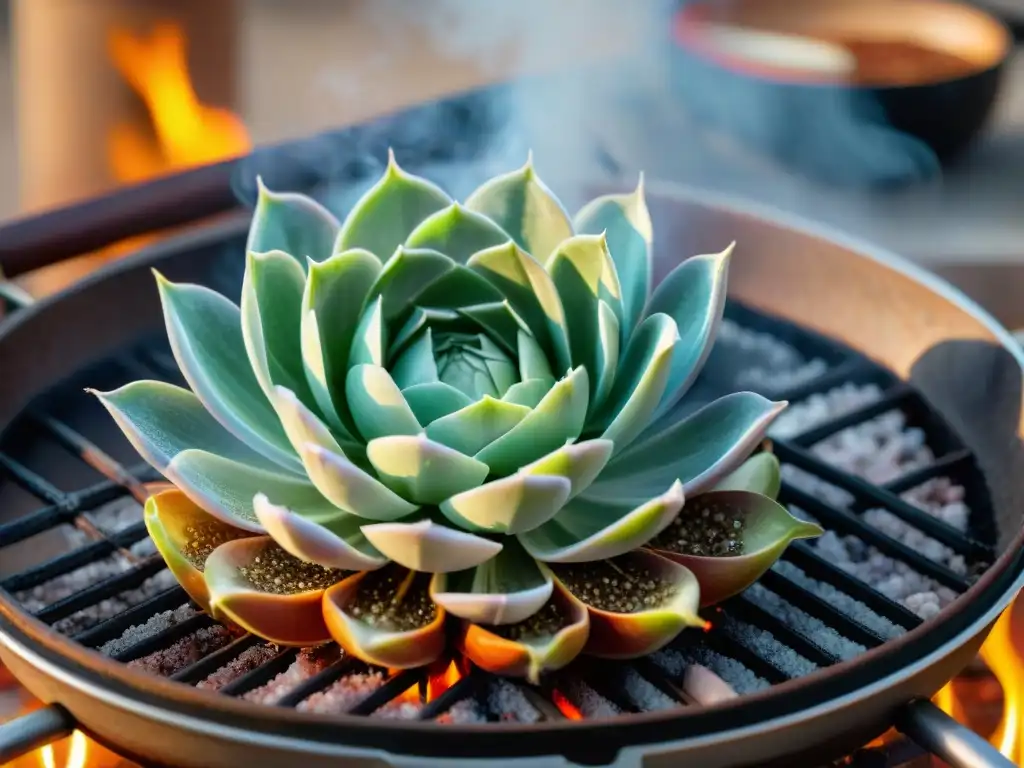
(626,223)
(421,470)
(470,429)
(589,529)
(522,205)
(205,332)
(293,223)
(389,211)
(377,404)
(428,546)
(693,295)
(457,233)
(510,505)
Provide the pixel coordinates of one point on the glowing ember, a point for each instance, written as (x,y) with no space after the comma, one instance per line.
(565,706)
(188,132)
(438,684)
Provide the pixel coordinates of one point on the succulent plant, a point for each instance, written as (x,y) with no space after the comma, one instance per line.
(453,414)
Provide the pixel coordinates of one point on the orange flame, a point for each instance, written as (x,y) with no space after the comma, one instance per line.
(565,706)
(439,683)
(188,132)
(1003,653)
(76,757)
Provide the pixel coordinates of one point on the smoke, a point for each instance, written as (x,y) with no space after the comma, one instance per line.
(595,89)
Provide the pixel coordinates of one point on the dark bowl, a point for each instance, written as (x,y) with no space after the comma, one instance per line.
(832,88)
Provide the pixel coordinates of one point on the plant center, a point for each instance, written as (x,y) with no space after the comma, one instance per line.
(474,365)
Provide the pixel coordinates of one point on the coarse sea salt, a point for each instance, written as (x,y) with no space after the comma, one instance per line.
(764,644)
(188,650)
(308,662)
(241,665)
(813,629)
(152,626)
(507,702)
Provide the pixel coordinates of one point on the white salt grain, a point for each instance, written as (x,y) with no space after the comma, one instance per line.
(816,631)
(343,694)
(465,712)
(116,515)
(241,665)
(879,450)
(644,695)
(106,609)
(507,702)
(67,584)
(152,626)
(851,607)
(764,644)
(820,408)
(768,362)
(309,662)
(184,652)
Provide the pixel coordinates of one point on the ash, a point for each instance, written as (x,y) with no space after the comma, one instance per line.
(590,703)
(309,662)
(507,701)
(154,625)
(735,674)
(242,664)
(764,644)
(107,609)
(822,407)
(644,695)
(768,364)
(184,652)
(853,608)
(343,695)
(819,633)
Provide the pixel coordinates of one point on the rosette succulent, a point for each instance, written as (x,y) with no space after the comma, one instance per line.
(437,416)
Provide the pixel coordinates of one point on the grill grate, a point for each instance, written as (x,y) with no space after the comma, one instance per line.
(587,687)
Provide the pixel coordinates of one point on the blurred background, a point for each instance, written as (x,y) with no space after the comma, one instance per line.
(899,121)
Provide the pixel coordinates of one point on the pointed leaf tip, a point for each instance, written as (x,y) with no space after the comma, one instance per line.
(766,528)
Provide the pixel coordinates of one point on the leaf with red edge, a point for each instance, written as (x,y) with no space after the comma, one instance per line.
(263,589)
(386,618)
(767,528)
(544,642)
(185,535)
(638,602)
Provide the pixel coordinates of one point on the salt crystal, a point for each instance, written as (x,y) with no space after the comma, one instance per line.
(344,694)
(851,607)
(820,408)
(184,652)
(38,597)
(399,710)
(116,515)
(241,665)
(106,609)
(766,362)
(816,631)
(309,662)
(152,626)
(645,695)
(465,712)
(508,702)
(764,644)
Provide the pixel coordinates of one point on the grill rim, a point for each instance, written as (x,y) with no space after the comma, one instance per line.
(959,620)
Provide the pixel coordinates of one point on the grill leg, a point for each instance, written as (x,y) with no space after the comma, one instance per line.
(940,734)
(34,730)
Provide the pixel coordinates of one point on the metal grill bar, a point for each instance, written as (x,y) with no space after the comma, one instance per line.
(868,494)
(75,559)
(896,397)
(605,681)
(851,524)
